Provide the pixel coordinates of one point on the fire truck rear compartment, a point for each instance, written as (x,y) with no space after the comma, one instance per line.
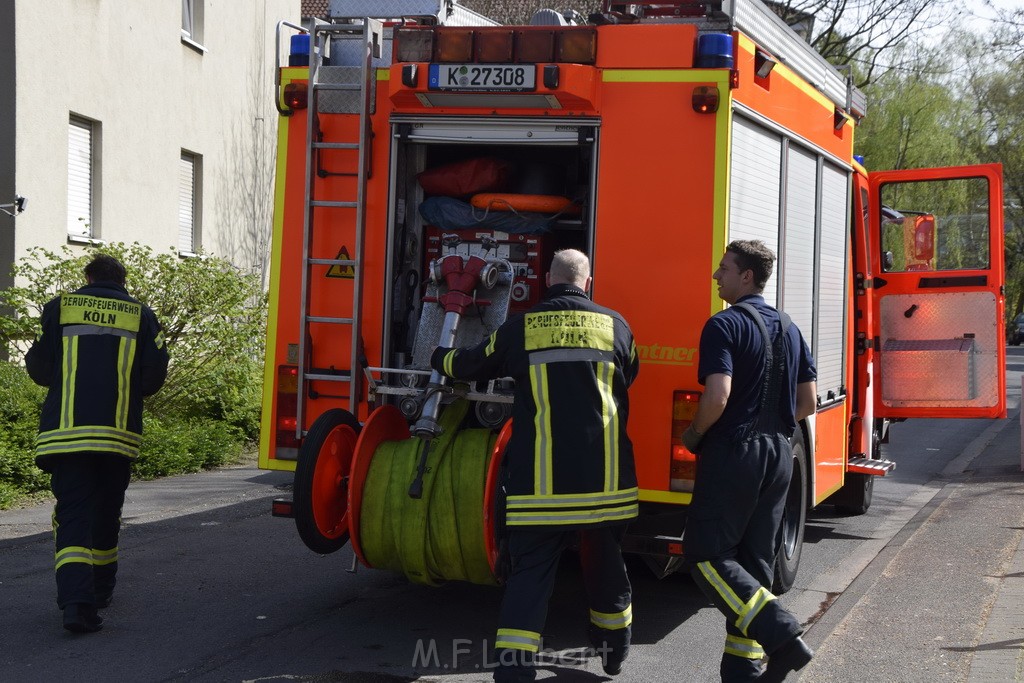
(561,169)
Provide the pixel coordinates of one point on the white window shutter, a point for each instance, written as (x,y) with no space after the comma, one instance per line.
(79,179)
(186,204)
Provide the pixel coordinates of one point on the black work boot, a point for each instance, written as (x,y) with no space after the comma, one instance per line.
(103,600)
(611,657)
(82,618)
(792,656)
(611,662)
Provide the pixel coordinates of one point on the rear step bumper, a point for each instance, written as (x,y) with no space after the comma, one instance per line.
(652,545)
(282,507)
(877,468)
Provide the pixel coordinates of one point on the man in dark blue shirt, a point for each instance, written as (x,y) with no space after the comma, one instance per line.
(759,380)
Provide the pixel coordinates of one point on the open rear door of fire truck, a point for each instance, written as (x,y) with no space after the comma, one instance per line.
(937,237)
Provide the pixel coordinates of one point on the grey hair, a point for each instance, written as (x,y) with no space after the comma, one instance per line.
(570,266)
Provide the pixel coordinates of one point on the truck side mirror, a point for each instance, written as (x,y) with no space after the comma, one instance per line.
(887,261)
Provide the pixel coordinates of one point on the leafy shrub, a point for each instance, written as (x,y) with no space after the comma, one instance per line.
(20,401)
(177,446)
(213,317)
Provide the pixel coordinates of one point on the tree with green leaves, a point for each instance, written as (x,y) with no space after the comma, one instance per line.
(994,92)
(915,115)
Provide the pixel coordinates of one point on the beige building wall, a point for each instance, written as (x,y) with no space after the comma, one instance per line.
(125,65)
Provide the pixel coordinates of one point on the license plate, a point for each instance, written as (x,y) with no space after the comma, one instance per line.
(509,77)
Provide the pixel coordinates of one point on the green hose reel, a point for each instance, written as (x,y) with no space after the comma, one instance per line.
(440,536)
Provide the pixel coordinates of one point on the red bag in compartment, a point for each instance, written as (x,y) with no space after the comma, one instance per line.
(467,177)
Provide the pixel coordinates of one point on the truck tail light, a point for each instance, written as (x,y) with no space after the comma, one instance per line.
(535,45)
(287,409)
(683,464)
(415,44)
(296,95)
(577,46)
(494,47)
(705,99)
(454,45)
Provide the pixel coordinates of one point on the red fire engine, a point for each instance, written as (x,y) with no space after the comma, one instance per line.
(423,144)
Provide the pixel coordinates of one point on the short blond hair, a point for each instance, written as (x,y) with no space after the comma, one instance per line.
(570,266)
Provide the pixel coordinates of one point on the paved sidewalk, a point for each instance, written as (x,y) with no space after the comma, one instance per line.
(947,602)
(999,655)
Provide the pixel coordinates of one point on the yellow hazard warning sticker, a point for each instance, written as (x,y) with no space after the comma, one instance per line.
(338,270)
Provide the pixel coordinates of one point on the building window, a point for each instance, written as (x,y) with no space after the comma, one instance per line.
(82,190)
(189,203)
(192,22)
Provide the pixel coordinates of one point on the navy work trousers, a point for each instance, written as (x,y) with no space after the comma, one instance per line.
(733,533)
(535,552)
(89,488)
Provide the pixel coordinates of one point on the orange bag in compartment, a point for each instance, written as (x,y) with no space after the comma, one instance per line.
(538,203)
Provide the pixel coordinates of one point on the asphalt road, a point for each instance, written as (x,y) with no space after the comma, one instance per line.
(212,588)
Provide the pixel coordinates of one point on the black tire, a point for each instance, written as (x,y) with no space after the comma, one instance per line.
(854,498)
(794,517)
(321,516)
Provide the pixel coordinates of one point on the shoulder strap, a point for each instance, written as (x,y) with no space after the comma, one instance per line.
(753,313)
(771,387)
(784,321)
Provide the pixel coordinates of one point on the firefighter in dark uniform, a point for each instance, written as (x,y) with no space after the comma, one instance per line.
(569,463)
(100,352)
(759,380)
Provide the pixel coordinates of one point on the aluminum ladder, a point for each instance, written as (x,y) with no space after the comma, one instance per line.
(358,91)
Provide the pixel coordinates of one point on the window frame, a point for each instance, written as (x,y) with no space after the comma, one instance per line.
(192,23)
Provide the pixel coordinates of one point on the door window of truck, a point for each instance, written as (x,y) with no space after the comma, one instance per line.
(935,225)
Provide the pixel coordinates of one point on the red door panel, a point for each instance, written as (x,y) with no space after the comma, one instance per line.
(936,238)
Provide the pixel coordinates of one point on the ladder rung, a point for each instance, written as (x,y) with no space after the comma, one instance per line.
(869,466)
(327,378)
(333,205)
(327,319)
(335,145)
(331,262)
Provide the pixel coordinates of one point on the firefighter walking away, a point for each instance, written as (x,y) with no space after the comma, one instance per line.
(100,352)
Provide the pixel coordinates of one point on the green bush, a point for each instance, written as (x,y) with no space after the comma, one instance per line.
(170,445)
(213,317)
(213,314)
(20,401)
(181,445)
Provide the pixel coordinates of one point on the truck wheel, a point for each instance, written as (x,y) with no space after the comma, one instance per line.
(854,498)
(793,518)
(321,481)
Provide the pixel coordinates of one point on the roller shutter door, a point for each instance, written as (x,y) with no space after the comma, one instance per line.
(754,189)
(830,326)
(796,262)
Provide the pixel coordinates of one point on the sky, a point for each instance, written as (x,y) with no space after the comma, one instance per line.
(983,9)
